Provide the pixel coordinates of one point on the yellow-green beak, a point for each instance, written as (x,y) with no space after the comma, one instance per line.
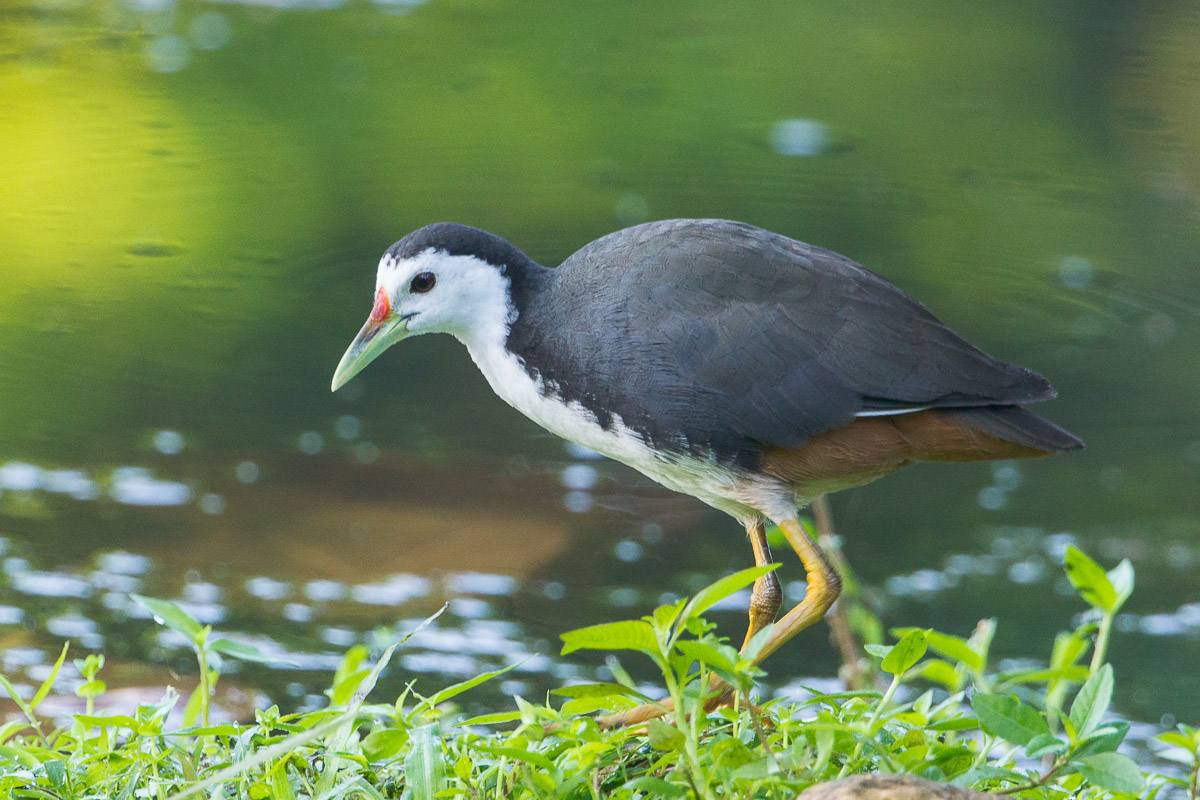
(373,339)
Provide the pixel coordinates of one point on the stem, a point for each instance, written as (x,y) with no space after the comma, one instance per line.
(1043,779)
(856,668)
(1101,646)
(883,701)
(202,657)
(873,725)
(691,755)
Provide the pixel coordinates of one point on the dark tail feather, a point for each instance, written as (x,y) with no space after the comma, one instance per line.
(1015,424)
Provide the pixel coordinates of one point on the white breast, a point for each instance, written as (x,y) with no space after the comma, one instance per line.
(737,493)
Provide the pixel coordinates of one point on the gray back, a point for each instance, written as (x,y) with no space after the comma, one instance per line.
(717,336)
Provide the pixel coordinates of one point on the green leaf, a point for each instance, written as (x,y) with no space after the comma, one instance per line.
(1105,739)
(826,738)
(665,615)
(1113,771)
(878,650)
(382,745)
(663,736)
(757,642)
(115,721)
(907,652)
(281,788)
(980,639)
(167,613)
(954,648)
(1068,649)
(581,705)
(48,684)
(597,690)
(1121,578)
(492,719)
(246,652)
(1007,717)
(458,688)
(1075,674)
(519,754)
(56,771)
(589,705)
(716,592)
(634,634)
(954,724)
(224,729)
(1090,580)
(619,673)
(1044,743)
(351,663)
(708,655)
(424,766)
(939,671)
(651,786)
(1092,702)
(191,710)
(91,689)
(344,690)
(1177,739)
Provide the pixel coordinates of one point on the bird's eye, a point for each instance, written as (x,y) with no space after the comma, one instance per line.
(423,282)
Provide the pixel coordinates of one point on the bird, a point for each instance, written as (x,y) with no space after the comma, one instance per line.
(724,361)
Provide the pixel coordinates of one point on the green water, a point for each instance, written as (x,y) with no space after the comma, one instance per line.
(194,195)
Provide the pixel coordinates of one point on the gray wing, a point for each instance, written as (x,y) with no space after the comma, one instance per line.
(725,336)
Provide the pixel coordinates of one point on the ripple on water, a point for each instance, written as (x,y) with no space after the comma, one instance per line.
(628,550)
(135,486)
(51,584)
(481,583)
(297,612)
(338,637)
(455,664)
(21,477)
(114,582)
(124,563)
(393,591)
(579,476)
(201,592)
(310,443)
(15,658)
(325,590)
(265,588)
(800,137)
(71,482)
(470,608)
(169,443)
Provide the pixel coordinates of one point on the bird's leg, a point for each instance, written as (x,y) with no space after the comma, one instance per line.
(824,585)
(766,597)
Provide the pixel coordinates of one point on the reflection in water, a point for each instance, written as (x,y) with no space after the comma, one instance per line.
(195,196)
(799,137)
(306,625)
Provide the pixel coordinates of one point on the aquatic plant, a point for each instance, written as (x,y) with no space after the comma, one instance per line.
(945,714)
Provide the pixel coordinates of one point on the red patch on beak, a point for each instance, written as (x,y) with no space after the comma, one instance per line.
(382,307)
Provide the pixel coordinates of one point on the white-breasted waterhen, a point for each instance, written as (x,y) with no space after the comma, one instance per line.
(739,366)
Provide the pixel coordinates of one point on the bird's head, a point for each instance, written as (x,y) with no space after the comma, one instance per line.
(443,278)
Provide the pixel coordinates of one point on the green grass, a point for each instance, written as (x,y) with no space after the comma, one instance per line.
(943,713)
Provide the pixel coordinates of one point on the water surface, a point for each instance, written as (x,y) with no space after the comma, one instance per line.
(195,195)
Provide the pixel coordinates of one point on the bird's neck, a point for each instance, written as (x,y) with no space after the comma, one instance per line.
(515,296)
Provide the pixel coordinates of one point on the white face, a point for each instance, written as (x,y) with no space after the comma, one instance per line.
(459,295)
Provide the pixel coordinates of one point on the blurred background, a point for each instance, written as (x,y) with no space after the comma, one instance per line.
(194,196)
